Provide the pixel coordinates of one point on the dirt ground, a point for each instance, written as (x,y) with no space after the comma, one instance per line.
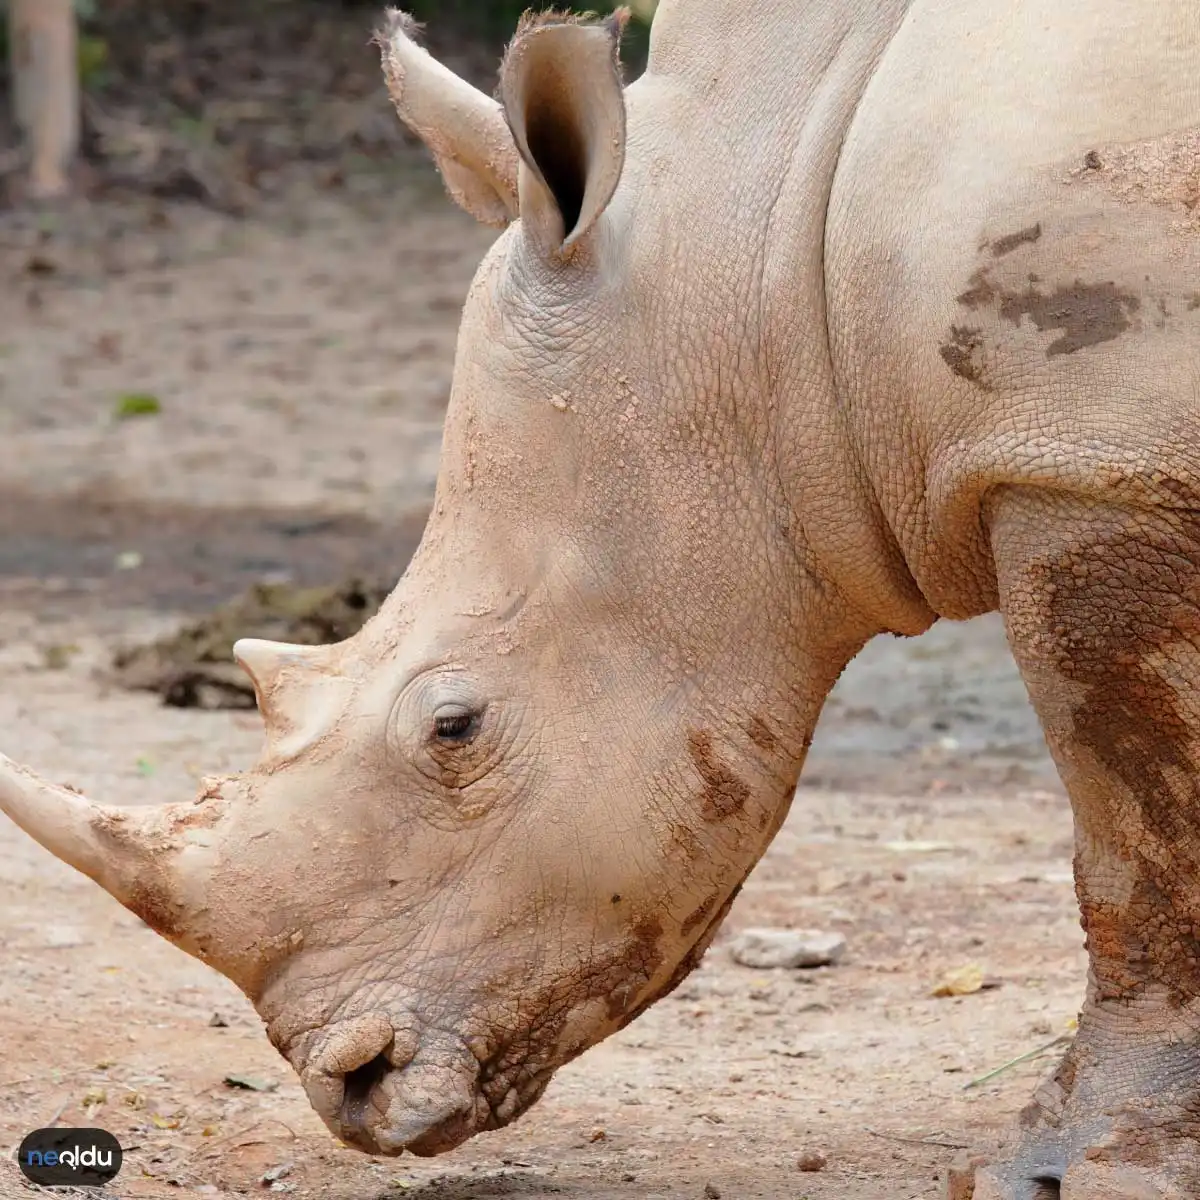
(300,358)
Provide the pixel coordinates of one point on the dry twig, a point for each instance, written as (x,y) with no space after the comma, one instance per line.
(909,1141)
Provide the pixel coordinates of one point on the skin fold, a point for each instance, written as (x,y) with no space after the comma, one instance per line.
(844,317)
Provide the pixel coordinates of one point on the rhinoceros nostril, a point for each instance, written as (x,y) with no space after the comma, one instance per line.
(359,1084)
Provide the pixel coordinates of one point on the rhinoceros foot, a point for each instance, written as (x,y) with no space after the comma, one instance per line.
(1118,1119)
(1083,1181)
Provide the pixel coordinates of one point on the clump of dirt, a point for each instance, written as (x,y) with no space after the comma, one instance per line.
(194,668)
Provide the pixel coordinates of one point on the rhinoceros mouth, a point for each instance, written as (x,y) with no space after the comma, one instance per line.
(427,1128)
(383,1088)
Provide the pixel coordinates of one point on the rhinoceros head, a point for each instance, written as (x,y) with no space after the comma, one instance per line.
(502,819)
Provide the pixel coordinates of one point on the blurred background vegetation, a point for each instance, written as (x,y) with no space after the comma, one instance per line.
(221,100)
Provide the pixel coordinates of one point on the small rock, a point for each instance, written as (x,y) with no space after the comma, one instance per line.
(812,1162)
(61,937)
(712,1191)
(273,1174)
(767,948)
(216,1021)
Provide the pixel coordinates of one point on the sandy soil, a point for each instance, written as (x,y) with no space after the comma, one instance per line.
(302,366)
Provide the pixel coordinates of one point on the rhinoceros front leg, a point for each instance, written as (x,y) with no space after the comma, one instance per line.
(1102,606)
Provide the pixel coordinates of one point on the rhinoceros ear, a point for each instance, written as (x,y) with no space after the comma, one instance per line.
(463,128)
(560,84)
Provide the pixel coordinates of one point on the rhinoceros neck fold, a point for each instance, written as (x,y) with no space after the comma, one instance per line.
(735,136)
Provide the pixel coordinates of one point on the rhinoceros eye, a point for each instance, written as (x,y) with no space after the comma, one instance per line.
(456,725)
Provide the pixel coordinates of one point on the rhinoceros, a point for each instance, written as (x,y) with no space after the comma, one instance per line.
(846,316)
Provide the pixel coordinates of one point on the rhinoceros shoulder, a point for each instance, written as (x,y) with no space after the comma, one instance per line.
(1013,249)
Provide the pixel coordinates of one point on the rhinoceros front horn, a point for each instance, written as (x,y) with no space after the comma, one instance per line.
(150,859)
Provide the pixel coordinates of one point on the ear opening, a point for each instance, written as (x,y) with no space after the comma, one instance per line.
(560,86)
(558,142)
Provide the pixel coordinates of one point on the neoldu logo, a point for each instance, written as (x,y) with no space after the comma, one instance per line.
(69,1157)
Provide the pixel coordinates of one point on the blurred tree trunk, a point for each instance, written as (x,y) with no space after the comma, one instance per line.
(43,42)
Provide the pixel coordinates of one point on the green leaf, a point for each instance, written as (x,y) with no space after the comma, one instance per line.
(137,404)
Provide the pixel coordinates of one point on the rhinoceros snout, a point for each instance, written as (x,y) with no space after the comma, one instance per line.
(385,1089)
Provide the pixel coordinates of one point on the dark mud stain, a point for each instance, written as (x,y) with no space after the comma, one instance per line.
(1087,314)
(688,963)
(962,353)
(1007,244)
(760,733)
(700,912)
(724,793)
(150,903)
(1193,301)
(616,978)
(640,962)
(1128,591)
(979,293)
(1092,161)
(685,840)
(149,898)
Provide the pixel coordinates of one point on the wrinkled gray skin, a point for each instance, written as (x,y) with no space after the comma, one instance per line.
(849,315)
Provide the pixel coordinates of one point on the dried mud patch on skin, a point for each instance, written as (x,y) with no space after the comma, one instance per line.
(1110,609)
(724,794)
(1086,314)
(641,959)
(1143,1138)
(963,354)
(618,979)
(534,1052)
(691,960)
(1163,171)
(194,668)
(761,734)
(1010,241)
(696,917)
(150,903)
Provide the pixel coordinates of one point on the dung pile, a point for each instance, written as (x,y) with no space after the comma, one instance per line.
(194,668)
